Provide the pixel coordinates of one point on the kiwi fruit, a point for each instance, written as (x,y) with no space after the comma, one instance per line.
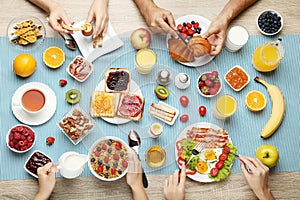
(161,92)
(73,96)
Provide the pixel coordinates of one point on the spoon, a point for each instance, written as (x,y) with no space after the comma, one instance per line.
(69,41)
(134,142)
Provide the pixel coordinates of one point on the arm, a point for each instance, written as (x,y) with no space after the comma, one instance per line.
(134,177)
(216,32)
(158,19)
(46,176)
(174,188)
(57,14)
(99,12)
(257,178)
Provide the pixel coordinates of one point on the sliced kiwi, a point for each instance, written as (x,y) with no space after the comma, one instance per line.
(162,92)
(73,96)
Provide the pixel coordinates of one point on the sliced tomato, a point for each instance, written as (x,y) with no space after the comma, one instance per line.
(214,172)
(220,164)
(180,160)
(226,149)
(223,156)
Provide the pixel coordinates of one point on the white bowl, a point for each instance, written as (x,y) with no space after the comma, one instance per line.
(88,67)
(16,150)
(28,159)
(208,95)
(273,12)
(245,73)
(91,151)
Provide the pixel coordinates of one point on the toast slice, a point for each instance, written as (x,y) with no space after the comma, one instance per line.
(131,106)
(102,104)
(117,80)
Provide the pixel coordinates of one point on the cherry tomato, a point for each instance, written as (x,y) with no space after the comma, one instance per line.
(202,110)
(226,149)
(184,100)
(220,164)
(223,156)
(214,172)
(184,117)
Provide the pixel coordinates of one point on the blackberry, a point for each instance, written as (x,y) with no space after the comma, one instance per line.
(93,159)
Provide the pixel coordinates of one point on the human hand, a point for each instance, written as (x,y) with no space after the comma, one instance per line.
(174,186)
(98,14)
(134,175)
(216,34)
(46,178)
(57,16)
(257,176)
(160,20)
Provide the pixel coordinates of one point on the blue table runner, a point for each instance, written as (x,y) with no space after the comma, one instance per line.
(243,127)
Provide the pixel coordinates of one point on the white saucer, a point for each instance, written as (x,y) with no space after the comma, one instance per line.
(41,117)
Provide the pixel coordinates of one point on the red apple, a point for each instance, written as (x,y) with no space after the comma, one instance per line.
(140,38)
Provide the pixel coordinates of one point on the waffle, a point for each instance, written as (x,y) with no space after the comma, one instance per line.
(102,104)
(26,32)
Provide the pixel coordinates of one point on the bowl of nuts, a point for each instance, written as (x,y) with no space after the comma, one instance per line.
(76,124)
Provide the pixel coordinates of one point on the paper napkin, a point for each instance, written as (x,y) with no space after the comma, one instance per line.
(111,42)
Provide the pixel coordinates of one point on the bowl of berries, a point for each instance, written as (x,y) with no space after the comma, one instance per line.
(209,84)
(269,22)
(20,138)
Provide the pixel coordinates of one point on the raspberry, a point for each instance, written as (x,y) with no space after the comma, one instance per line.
(17,136)
(22,137)
(21,143)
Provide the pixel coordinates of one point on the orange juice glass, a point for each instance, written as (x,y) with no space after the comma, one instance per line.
(224,107)
(267,57)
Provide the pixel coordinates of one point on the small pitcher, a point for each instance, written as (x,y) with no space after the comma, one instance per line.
(71,164)
(267,57)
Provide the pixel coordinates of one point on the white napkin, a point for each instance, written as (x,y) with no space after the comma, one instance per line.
(111,42)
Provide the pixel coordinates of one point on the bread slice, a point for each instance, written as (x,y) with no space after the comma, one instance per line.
(102,104)
(131,106)
(117,80)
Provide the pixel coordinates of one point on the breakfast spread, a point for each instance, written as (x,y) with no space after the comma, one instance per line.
(131,106)
(117,80)
(109,159)
(26,32)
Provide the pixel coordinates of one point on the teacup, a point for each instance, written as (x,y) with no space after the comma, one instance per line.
(32,101)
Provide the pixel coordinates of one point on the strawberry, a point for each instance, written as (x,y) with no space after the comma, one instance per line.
(201,84)
(50,140)
(104,147)
(205,90)
(62,82)
(106,159)
(118,146)
(97,153)
(116,156)
(124,163)
(215,73)
(213,91)
(208,83)
(184,29)
(189,25)
(196,25)
(113,171)
(179,27)
(190,32)
(203,77)
(217,86)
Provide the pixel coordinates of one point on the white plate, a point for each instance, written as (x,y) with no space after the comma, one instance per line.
(134,89)
(203,23)
(198,177)
(41,117)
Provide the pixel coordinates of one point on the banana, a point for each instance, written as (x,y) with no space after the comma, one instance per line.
(278,108)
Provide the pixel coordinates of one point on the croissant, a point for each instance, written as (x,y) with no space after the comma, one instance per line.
(179,51)
(199,45)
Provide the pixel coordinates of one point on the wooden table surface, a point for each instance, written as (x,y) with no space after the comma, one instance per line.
(285,185)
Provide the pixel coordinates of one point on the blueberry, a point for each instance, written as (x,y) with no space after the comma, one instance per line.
(120,171)
(99,148)
(107,166)
(109,142)
(115,164)
(193,22)
(100,162)
(183,24)
(93,159)
(109,150)
(121,153)
(106,175)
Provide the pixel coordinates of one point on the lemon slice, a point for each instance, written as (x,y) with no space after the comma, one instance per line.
(255,101)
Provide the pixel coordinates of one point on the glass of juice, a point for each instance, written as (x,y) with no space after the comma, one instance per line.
(267,57)
(224,107)
(145,60)
(155,156)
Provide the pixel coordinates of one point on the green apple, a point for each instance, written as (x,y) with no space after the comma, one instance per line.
(268,155)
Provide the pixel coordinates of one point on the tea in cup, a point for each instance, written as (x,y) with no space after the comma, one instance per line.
(32,101)
(155,156)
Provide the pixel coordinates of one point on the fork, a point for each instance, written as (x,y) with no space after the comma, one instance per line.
(196,150)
